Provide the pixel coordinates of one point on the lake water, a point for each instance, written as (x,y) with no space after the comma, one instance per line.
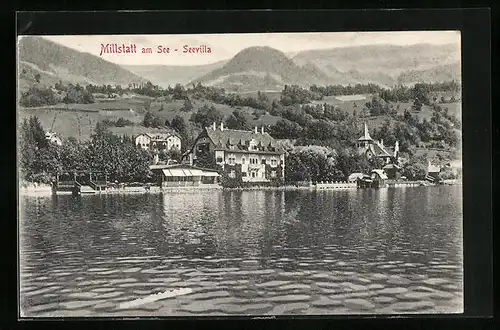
(390,251)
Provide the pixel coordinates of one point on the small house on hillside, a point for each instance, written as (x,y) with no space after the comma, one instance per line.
(158,141)
(53,138)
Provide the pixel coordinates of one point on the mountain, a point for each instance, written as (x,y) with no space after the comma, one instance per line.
(170,75)
(438,73)
(262,68)
(55,62)
(382,63)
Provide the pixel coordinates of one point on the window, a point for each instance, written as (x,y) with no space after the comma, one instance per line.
(219,159)
(263,161)
(243,160)
(232,174)
(273,174)
(253,174)
(243,174)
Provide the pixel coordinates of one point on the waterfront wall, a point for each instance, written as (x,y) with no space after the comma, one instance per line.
(336,185)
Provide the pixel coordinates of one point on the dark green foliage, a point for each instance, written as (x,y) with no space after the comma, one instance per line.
(148,120)
(349,161)
(118,157)
(237,120)
(179,125)
(416,169)
(312,163)
(38,159)
(206,160)
(225,176)
(187,106)
(77,94)
(206,115)
(38,96)
(285,129)
(294,94)
(278,179)
(122,122)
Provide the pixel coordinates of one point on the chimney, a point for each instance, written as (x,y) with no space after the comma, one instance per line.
(191,159)
(382,142)
(255,129)
(221,126)
(213,126)
(262,129)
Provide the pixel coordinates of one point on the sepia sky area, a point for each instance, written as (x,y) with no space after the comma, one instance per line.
(225,46)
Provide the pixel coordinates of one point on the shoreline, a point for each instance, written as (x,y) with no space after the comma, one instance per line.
(46,191)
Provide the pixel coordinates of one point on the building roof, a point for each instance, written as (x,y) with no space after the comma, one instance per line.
(433,168)
(355,176)
(240,141)
(366,136)
(380,173)
(159,136)
(379,151)
(180,166)
(391,166)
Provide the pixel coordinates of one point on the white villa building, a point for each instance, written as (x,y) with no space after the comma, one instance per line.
(158,141)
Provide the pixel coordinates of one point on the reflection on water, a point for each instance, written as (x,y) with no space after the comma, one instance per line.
(251,252)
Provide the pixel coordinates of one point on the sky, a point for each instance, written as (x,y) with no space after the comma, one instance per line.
(225,46)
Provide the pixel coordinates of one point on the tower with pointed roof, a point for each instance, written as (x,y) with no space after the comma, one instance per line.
(372,148)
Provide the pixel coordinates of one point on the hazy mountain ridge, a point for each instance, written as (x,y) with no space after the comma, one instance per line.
(439,73)
(270,62)
(71,65)
(253,68)
(170,75)
(390,60)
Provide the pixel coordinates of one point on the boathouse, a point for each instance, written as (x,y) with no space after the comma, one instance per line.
(393,171)
(183,175)
(379,178)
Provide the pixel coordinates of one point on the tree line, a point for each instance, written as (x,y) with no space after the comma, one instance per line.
(118,156)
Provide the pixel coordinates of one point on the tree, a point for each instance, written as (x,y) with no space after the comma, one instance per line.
(179,93)
(313,163)
(205,160)
(187,106)
(179,125)
(157,122)
(349,161)
(148,120)
(237,120)
(206,115)
(37,77)
(415,170)
(38,96)
(285,129)
(38,159)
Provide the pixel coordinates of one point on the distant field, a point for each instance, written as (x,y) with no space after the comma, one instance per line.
(79,120)
(78,124)
(172,109)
